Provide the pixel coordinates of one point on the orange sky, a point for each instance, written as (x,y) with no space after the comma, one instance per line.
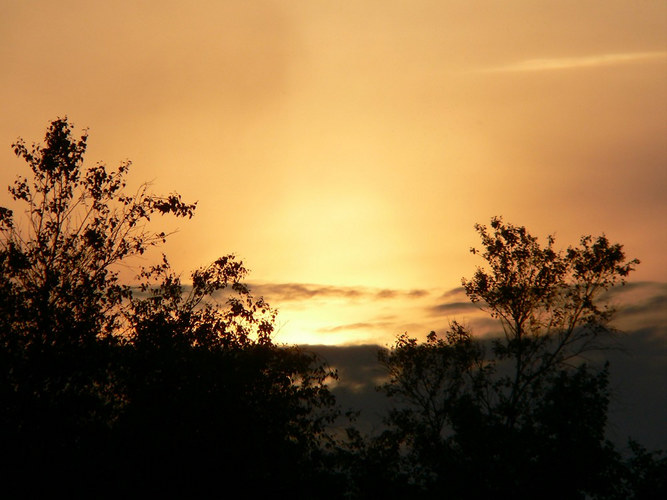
(353,145)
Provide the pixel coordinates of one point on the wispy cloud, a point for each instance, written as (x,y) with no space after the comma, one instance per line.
(352,314)
(562,63)
(454,308)
(455,292)
(301,291)
(368,325)
(285,292)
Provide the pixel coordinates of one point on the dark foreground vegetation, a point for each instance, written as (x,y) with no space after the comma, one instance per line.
(110,390)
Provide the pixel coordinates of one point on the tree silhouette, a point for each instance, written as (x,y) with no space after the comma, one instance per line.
(212,397)
(547,302)
(60,264)
(62,303)
(171,388)
(523,415)
(108,388)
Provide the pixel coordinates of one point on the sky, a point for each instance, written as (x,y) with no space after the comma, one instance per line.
(345,150)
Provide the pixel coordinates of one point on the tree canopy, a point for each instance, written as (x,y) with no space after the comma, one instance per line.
(160,386)
(142,387)
(523,414)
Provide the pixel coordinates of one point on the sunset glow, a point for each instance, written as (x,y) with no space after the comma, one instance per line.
(341,147)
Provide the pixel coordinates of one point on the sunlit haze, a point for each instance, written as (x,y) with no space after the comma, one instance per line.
(344,150)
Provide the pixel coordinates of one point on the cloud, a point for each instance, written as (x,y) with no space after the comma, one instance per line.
(365,325)
(360,373)
(561,63)
(638,406)
(386,294)
(416,293)
(649,305)
(458,291)
(454,308)
(353,314)
(284,292)
(287,292)
(639,305)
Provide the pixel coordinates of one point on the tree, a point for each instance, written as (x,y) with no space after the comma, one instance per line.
(547,302)
(212,397)
(124,388)
(62,303)
(523,415)
(436,375)
(61,266)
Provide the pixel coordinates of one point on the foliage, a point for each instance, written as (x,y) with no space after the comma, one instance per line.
(144,388)
(521,413)
(59,267)
(212,395)
(644,475)
(547,303)
(434,376)
(175,388)
(62,303)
